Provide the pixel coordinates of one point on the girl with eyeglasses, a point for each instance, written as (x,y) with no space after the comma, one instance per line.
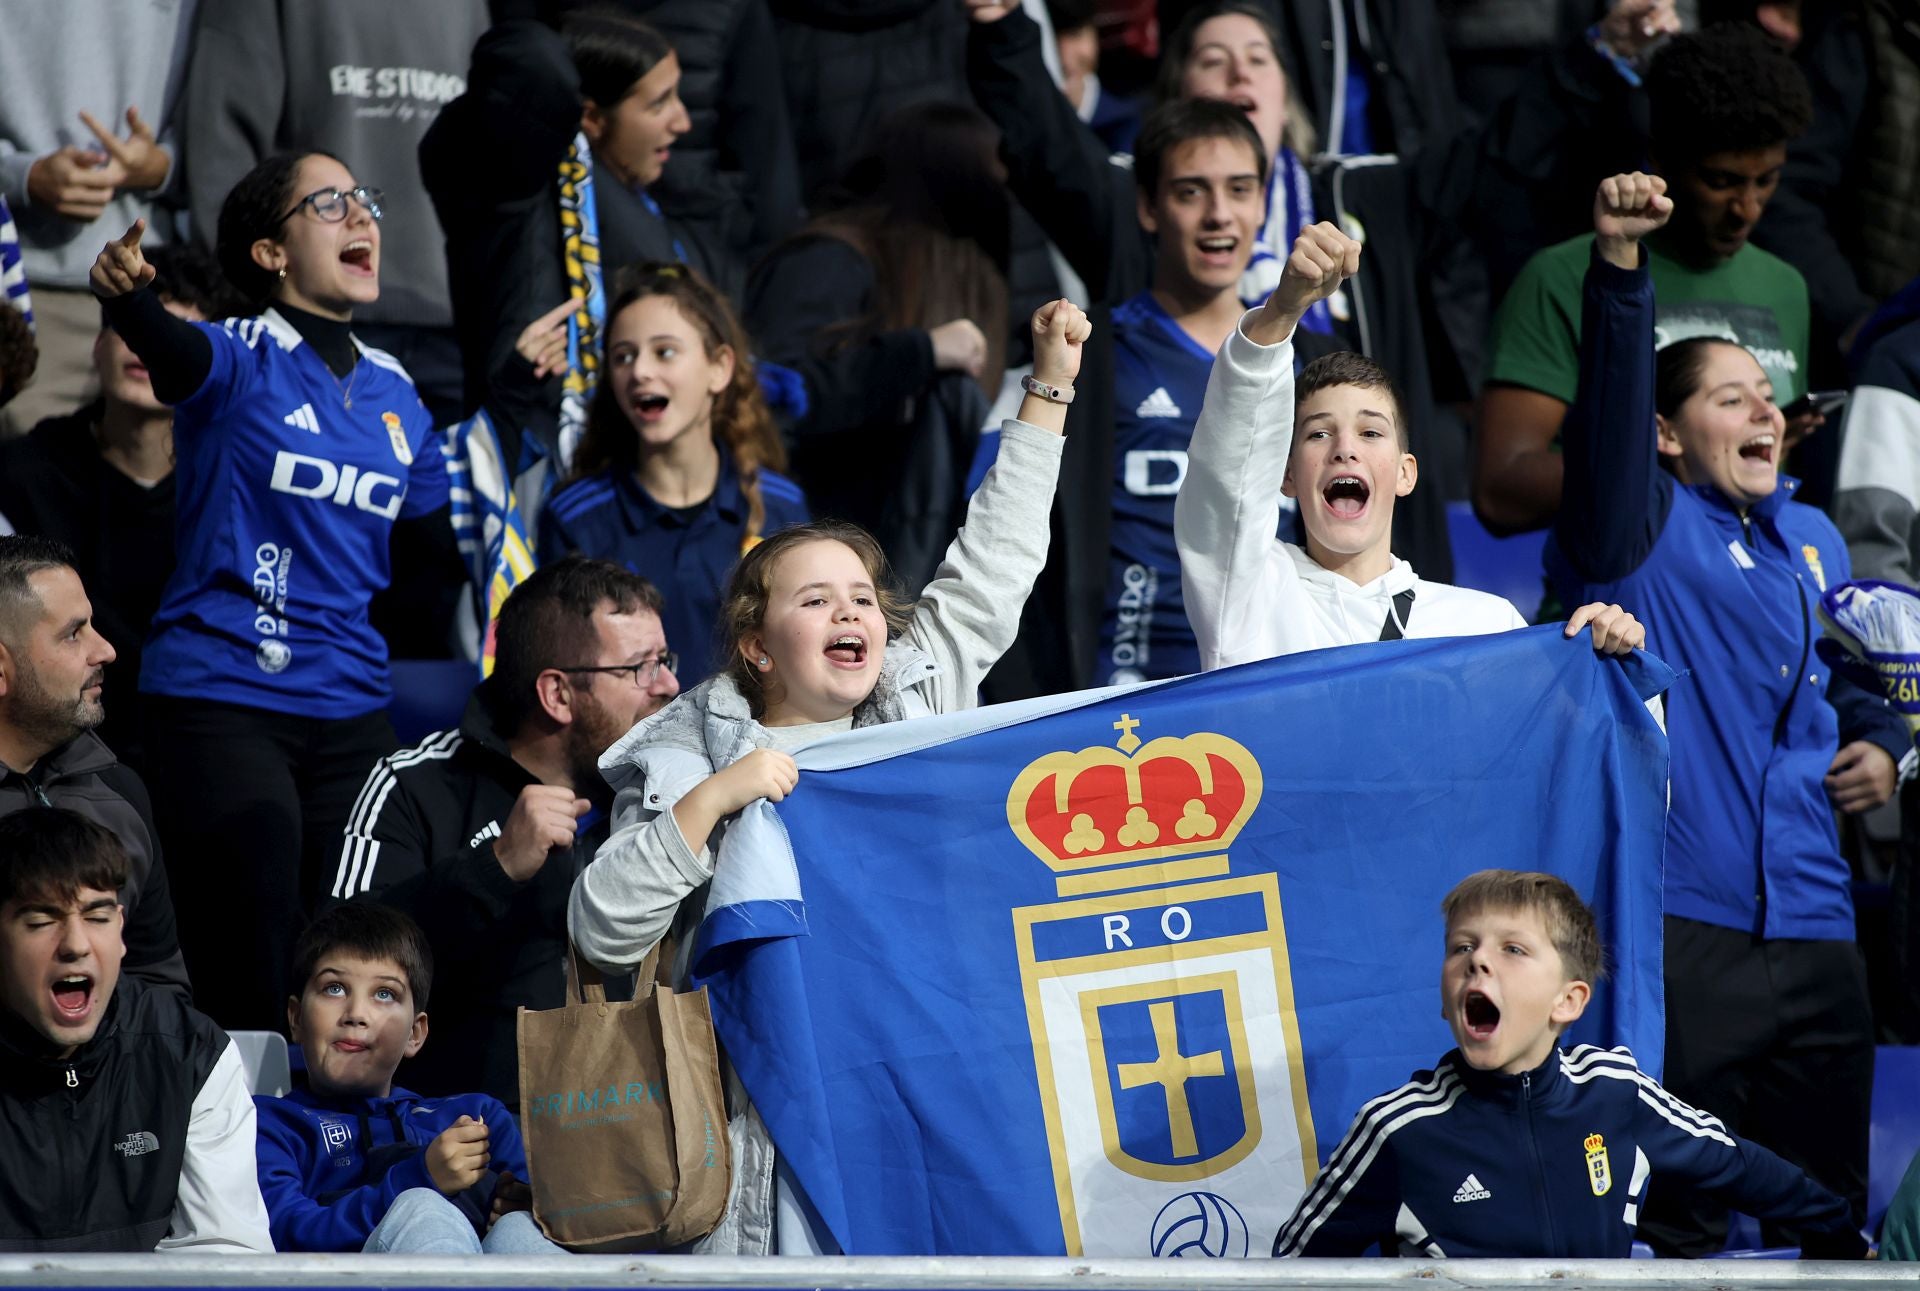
(678,473)
(297,451)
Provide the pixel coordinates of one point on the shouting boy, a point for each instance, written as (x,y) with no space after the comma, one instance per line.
(124,1112)
(1512,1146)
(1336,442)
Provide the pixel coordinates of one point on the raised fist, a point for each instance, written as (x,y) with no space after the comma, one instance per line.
(120,268)
(1632,27)
(543,818)
(1625,209)
(1322,258)
(1060,329)
(959,346)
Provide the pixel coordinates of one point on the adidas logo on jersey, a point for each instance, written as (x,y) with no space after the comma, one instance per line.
(1158,404)
(1472,1190)
(302,418)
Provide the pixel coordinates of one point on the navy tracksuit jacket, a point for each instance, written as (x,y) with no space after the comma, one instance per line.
(1552,1163)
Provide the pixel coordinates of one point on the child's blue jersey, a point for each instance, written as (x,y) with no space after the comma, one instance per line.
(1160,380)
(289,480)
(1553,1163)
(330,1167)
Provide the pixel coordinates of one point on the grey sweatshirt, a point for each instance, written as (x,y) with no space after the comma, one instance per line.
(59,58)
(361,79)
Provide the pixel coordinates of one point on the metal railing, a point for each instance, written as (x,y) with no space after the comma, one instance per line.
(937,1273)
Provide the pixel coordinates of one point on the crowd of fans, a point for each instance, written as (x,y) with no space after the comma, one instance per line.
(635,346)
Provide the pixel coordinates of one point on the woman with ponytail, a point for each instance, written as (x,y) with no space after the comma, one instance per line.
(678,472)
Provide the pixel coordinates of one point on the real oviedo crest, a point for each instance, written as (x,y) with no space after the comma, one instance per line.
(1158,993)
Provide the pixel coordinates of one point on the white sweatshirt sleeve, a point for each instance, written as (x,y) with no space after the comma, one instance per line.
(1242,593)
(969,614)
(218,1208)
(624,903)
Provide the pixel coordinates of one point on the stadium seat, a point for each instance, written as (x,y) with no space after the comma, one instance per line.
(1896,1125)
(429,695)
(264,1055)
(1508,567)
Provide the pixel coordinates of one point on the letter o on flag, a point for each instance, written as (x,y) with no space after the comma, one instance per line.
(1167,922)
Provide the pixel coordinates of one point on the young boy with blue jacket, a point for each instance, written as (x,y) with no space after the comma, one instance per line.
(1513,1146)
(353,1164)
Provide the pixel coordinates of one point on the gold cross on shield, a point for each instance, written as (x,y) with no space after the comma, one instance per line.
(1171,1070)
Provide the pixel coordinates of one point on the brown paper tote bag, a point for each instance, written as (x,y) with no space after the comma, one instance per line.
(623,1116)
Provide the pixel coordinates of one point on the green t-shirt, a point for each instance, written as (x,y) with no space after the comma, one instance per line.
(1754,298)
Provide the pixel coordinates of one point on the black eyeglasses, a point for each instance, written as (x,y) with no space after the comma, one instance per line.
(330,204)
(642,673)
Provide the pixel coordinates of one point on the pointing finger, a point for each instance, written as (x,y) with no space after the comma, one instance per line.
(556,316)
(131,238)
(113,146)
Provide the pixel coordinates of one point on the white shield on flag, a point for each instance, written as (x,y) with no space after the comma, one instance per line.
(1168,1055)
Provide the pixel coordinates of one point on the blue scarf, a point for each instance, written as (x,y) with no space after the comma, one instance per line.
(1289,209)
(580,245)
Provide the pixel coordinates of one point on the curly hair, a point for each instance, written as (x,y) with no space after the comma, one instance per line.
(743,611)
(742,423)
(1724,88)
(19,355)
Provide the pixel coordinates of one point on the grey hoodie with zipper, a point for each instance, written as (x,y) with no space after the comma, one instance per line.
(646,881)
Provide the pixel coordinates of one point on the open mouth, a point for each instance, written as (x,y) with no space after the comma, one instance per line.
(1218,248)
(848,651)
(1346,496)
(73,997)
(650,406)
(1759,449)
(358,255)
(1245,104)
(1481,1015)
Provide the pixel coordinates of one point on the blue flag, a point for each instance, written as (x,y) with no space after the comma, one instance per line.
(1106,974)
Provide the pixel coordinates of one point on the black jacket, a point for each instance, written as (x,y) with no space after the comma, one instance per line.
(1401,46)
(421,839)
(887,440)
(491,163)
(53,482)
(95,1143)
(734,171)
(82,775)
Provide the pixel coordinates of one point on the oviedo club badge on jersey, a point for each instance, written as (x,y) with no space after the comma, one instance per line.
(397,433)
(1158,992)
(1599,1175)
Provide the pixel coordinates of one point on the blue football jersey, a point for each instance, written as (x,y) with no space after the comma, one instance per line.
(289,480)
(1160,380)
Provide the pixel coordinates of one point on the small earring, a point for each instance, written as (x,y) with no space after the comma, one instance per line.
(283,274)
(764,661)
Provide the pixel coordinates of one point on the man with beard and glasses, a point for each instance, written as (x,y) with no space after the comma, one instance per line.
(478,833)
(52,683)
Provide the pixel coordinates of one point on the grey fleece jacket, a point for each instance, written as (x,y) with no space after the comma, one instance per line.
(646,880)
(362,79)
(59,58)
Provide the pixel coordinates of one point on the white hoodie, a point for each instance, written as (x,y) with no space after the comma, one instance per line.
(1252,596)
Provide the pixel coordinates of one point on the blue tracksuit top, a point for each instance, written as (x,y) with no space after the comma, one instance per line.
(689,555)
(1553,1163)
(1729,599)
(330,1168)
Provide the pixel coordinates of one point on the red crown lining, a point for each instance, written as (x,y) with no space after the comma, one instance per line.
(1167,785)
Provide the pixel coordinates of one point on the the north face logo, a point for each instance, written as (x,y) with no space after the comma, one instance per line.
(1472,1190)
(138,1144)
